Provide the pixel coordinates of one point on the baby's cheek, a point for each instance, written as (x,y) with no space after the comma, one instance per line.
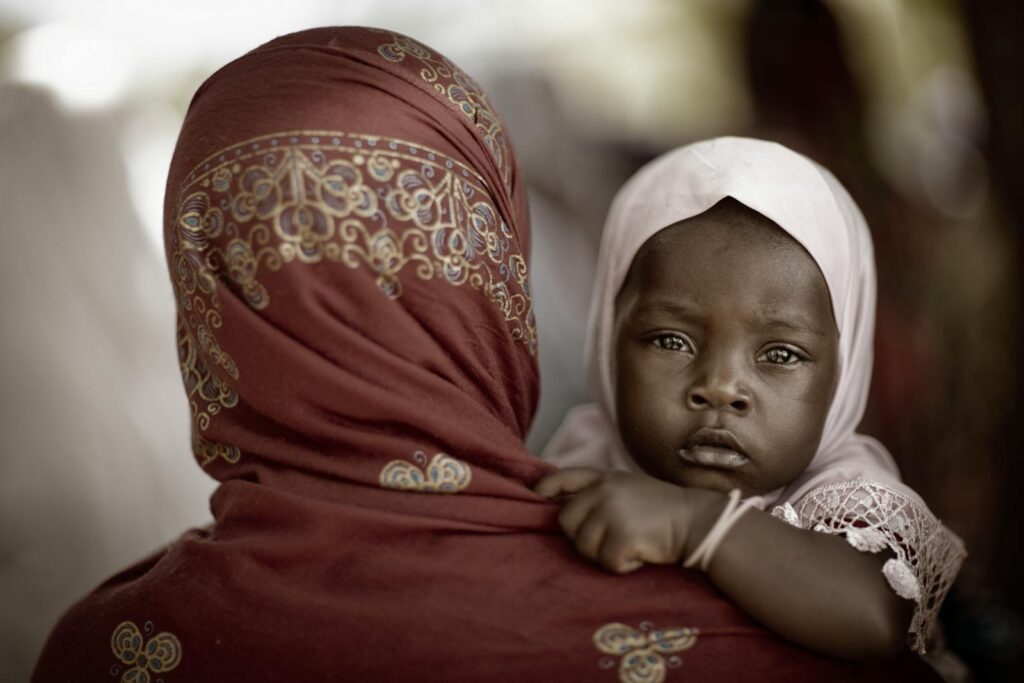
(793,451)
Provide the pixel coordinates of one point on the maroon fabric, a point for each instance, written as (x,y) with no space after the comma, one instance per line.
(346,230)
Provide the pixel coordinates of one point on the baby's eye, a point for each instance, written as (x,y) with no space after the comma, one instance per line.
(781,355)
(672,342)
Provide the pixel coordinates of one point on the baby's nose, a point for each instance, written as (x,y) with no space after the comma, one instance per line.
(718,396)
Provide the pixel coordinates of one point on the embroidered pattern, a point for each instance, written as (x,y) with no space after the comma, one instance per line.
(787,513)
(901,578)
(444,474)
(398,209)
(642,650)
(207,394)
(207,451)
(873,517)
(160,653)
(463,93)
(866,540)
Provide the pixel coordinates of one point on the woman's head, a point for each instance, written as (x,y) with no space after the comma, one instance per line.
(347,234)
(725,353)
(779,205)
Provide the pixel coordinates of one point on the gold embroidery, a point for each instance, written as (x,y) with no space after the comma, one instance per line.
(464,93)
(160,654)
(207,451)
(241,262)
(641,650)
(445,474)
(310,197)
(207,393)
(331,196)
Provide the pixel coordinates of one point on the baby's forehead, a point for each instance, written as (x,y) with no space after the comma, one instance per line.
(729,253)
(726,229)
(735,221)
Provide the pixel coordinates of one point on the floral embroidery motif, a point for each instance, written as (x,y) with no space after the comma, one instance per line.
(463,93)
(207,393)
(207,451)
(642,650)
(444,474)
(160,653)
(398,209)
(311,200)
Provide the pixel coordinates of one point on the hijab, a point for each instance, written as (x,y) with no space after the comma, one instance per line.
(347,236)
(806,201)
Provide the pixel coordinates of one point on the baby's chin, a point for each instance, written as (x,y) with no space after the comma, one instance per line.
(715,479)
(712,479)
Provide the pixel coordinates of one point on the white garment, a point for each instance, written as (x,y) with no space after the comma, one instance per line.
(806,201)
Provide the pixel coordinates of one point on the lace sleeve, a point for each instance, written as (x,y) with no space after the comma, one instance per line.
(873,517)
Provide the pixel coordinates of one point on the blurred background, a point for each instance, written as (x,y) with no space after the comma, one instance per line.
(916,105)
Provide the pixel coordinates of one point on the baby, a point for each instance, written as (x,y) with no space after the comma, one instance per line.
(730,354)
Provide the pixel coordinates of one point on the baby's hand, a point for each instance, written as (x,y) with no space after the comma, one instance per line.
(621,520)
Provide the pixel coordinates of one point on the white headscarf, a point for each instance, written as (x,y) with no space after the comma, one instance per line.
(806,201)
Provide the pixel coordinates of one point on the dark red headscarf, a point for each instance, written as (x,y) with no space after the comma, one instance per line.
(347,234)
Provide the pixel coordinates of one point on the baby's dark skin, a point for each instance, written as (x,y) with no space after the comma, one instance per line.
(726,360)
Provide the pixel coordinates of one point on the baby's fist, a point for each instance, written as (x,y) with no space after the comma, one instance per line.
(621,520)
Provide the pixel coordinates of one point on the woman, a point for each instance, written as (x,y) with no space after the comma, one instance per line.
(347,235)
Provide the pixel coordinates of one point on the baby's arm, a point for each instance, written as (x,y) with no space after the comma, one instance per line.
(812,588)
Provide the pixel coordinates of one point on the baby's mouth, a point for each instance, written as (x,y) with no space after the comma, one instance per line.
(713,448)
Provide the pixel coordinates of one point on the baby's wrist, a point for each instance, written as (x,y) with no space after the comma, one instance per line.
(706,507)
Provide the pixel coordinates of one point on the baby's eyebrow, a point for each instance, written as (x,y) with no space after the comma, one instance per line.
(667,306)
(795,324)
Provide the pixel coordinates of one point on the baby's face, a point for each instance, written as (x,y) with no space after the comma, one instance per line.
(725,354)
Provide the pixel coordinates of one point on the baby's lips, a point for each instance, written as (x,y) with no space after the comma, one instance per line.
(713,456)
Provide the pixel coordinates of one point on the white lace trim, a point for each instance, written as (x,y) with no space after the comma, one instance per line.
(873,517)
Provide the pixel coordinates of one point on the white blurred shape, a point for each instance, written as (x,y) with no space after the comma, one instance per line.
(148,144)
(85,67)
(946,131)
(95,461)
